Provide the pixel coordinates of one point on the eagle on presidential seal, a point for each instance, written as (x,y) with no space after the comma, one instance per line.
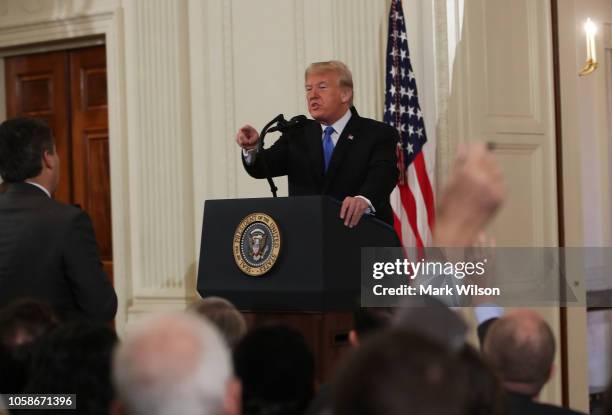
(257,244)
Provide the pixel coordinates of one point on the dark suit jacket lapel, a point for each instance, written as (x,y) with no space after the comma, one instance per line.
(342,148)
(314,135)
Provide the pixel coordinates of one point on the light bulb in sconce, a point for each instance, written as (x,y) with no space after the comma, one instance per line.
(591,64)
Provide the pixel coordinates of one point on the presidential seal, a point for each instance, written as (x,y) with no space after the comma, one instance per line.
(256,244)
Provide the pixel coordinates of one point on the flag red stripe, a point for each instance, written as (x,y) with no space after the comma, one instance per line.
(426,190)
(409,205)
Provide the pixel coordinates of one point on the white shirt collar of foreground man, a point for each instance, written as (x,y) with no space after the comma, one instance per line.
(338,126)
(40,187)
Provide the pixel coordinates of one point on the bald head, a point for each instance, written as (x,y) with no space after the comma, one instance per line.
(175,364)
(521,348)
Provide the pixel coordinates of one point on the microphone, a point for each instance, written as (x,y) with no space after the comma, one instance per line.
(284,125)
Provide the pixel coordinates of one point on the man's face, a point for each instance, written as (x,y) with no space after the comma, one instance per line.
(327,100)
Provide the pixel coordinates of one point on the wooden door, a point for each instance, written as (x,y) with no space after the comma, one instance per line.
(67,89)
(90,158)
(37,87)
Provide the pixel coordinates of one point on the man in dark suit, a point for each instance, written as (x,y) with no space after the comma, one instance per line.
(520,347)
(47,249)
(338,153)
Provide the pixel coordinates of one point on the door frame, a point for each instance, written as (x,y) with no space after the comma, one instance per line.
(109,25)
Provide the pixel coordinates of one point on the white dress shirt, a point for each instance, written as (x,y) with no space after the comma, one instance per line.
(40,187)
(338,127)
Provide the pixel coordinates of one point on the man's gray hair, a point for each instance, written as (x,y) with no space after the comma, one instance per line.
(172,364)
(224,315)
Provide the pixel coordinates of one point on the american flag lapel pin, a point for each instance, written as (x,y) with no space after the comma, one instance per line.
(350,136)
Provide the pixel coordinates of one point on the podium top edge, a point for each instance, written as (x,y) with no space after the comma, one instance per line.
(305,199)
(312,197)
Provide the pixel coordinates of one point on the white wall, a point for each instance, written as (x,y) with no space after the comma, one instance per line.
(586,107)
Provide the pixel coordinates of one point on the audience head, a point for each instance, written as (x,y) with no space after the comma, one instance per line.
(399,372)
(13,371)
(22,324)
(27,151)
(276,368)
(224,316)
(25,320)
(432,318)
(369,321)
(607,404)
(175,364)
(485,394)
(520,348)
(75,358)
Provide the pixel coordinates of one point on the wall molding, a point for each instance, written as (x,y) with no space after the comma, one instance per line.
(160,135)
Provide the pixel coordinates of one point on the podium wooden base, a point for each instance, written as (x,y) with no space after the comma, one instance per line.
(327,334)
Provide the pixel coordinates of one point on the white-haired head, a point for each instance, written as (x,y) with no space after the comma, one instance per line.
(173,364)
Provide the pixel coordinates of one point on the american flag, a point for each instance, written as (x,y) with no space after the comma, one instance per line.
(412,199)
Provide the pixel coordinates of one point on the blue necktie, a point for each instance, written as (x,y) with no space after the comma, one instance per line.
(328,146)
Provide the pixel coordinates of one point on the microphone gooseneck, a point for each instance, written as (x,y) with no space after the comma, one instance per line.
(282,125)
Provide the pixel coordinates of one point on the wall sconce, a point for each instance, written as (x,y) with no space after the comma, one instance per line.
(591,61)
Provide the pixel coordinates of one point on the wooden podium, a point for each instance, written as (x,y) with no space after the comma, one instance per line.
(315,283)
